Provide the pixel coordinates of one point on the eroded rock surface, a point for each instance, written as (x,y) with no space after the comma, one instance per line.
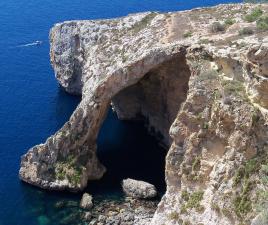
(207,87)
(86,201)
(138,189)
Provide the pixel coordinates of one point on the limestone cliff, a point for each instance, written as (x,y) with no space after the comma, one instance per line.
(200,80)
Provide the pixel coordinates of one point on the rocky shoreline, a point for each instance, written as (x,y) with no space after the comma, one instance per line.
(135,207)
(128,212)
(123,210)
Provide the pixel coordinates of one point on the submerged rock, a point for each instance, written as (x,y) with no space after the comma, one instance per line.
(66,204)
(71,218)
(138,189)
(86,201)
(43,220)
(87,216)
(60,204)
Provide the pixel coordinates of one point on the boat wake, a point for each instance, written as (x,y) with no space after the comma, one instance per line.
(35,43)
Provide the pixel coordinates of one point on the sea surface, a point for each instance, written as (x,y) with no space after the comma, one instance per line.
(33,107)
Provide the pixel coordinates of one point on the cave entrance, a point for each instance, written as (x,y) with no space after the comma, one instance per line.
(128,151)
(156,98)
(134,138)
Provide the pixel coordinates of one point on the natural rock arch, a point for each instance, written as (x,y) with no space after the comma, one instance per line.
(68,159)
(226,103)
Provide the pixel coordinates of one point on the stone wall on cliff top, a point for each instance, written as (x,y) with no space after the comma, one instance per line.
(203,90)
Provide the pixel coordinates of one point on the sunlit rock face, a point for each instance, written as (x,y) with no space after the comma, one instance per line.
(203,92)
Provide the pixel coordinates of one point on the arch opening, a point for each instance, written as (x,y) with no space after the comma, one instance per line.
(150,91)
(134,138)
(156,98)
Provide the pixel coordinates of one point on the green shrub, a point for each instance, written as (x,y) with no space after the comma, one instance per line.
(246,31)
(187,222)
(217,27)
(205,41)
(254,15)
(234,88)
(242,205)
(137,27)
(185,195)
(229,22)
(242,202)
(262,195)
(262,23)
(250,167)
(68,169)
(226,213)
(205,126)
(196,163)
(239,175)
(245,171)
(188,34)
(173,216)
(215,207)
(193,202)
(195,199)
(183,209)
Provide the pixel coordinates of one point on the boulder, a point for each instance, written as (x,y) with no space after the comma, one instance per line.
(86,201)
(138,189)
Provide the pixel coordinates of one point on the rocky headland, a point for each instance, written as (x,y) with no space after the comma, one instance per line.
(200,80)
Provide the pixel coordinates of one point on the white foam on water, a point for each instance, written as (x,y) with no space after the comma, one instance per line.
(35,43)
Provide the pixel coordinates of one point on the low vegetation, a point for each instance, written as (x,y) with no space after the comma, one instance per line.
(196,163)
(262,23)
(226,212)
(174,216)
(67,169)
(208,75)
(188,34)
(246,31)
(215,207)
(217,27)
(137,27)
(205,41)
(245,171)
(229,22)
(242,202)
(262,201)
(254,15)
(234,88)
(192,201)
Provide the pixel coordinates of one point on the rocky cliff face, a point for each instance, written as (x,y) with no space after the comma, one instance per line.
(199,78)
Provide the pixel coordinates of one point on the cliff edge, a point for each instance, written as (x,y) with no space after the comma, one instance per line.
(200,79)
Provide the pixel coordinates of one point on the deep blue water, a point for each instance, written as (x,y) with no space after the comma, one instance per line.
(32,106)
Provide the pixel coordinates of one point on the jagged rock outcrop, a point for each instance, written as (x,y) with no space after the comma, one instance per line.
(207,87)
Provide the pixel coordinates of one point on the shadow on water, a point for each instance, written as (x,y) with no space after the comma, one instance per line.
(64,107)
(128,151)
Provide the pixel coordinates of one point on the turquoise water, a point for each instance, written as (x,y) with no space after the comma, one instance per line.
(32,107)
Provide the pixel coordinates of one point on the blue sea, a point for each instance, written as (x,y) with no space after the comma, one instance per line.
(33,106)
